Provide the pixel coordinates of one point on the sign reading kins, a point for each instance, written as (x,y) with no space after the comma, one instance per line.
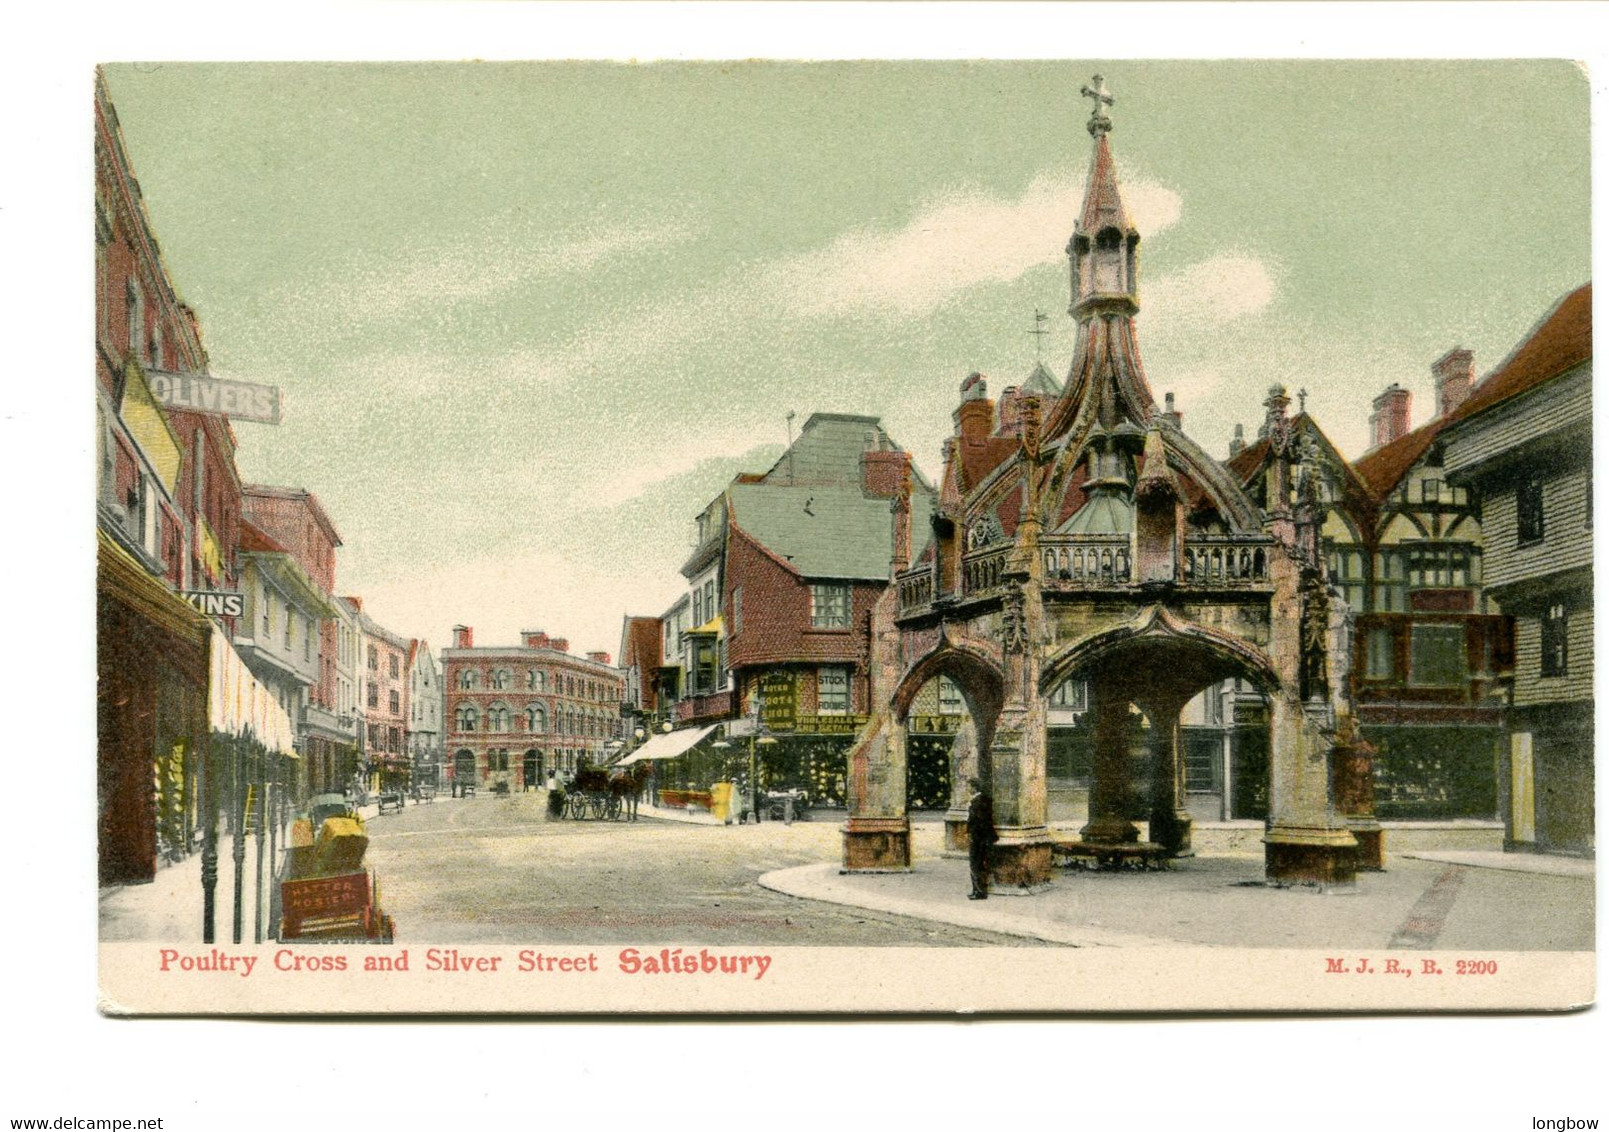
(239,400)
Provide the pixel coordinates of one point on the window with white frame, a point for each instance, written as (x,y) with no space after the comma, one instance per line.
(832,691)
(466,718)
(535,718)
(829,605)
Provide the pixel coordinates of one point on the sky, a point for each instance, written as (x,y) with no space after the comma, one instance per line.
(529,318)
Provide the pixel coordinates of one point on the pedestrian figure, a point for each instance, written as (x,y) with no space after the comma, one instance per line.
(981,837)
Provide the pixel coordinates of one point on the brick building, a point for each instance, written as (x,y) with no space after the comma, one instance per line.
(155,518)
(786,566)
(517,712)
(297,522)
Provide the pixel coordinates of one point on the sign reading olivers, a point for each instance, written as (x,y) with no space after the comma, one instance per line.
(238,400)
(1102,544)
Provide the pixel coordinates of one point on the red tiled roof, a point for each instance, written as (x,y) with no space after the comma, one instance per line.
(252,538)
(1561,341)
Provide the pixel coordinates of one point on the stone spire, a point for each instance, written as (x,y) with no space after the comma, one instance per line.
(1105,243)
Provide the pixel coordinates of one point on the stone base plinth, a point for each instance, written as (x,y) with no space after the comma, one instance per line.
(1020,864)
(1371,846)
(1110,831)
(1310,856)
(877,845)
(955,833)
(1171,830)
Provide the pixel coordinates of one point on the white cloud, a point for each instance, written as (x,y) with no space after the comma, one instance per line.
(1224,287)
(959,240)
(435,279)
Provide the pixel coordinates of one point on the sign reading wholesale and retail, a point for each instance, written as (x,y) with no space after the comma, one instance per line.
(197,393)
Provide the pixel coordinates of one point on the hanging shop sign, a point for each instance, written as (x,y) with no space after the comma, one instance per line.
(217,603)
(197,393)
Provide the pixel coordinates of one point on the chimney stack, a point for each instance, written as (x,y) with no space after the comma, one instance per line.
(1010,412)
(974,419)
(1173,415)
(600,657)
(534,638)
(1455,375)
(463,637)
(558,644)
(1390,417)
(1238,444)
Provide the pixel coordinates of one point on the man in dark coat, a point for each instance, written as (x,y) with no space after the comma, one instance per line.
(981,837)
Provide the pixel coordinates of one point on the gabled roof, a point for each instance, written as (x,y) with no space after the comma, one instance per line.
(1561,341)
(823,531)
(1042,382)
(1356,494)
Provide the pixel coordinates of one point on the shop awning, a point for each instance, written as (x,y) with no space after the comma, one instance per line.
(669,746)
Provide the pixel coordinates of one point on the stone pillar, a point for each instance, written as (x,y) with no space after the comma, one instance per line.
(1170,820)
(1307,841)
(877,835)
(1352,763)
(1108,823)
(1021,858)
(963,765)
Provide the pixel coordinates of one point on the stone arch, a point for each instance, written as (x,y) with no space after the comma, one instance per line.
(1157,634)
(1157,661)
(972,669)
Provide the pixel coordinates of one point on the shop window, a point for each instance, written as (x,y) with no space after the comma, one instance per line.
(1380,660)
(1555,642)
(832,691)
(829,606)
(1528,505)
(1436,655)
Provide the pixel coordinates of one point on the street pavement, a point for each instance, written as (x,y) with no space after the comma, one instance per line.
(497,869)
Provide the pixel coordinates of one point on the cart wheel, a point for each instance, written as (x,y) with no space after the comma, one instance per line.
(578,806)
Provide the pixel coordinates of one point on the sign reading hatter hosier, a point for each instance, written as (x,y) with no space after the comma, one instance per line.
(1166,651)
(197,393)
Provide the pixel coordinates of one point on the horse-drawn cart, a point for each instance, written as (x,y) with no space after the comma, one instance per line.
(592,796)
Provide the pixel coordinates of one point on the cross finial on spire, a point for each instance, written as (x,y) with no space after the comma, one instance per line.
(1039,333)
(1301,400)
(1099,123)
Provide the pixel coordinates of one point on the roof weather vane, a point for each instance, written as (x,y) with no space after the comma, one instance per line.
(1039,333)
(1099,123)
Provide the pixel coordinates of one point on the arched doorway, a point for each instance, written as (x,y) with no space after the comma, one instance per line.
(463,770)
(1138,679)
(970,672)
